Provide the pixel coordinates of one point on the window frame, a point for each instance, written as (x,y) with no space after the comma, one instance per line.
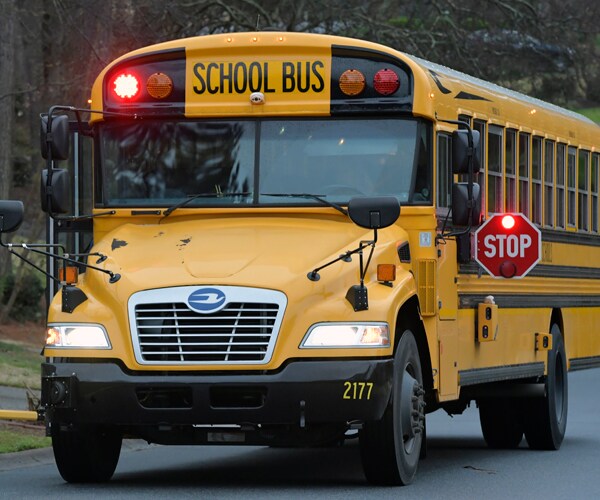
(549,177)
(524,200)
(496,175)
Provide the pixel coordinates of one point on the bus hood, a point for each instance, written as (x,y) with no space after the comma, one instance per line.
(251,251)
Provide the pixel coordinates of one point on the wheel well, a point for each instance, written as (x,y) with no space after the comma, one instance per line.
(557,318)
(409,316)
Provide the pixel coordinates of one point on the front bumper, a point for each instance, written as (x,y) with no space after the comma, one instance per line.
(302,393)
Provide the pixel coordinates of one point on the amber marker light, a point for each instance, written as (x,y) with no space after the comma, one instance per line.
(52,336)
(68,274)
(386,272)
(352,82)
(159,85)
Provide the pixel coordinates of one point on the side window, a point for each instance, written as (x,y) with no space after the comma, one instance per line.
(584,190)
(510,172)
(536,180)
(549,183)
(494,181)
(444,170)
(594,191)
(524,174)
(561,150)
(571,187)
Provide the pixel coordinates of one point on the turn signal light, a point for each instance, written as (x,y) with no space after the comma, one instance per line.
(386,272)
(68,275)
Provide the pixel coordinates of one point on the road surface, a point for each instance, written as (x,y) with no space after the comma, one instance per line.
(458,466)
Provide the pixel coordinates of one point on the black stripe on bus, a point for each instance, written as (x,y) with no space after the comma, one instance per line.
(523,301)
(584,363)
(554,236)
(500,373)
(544,271)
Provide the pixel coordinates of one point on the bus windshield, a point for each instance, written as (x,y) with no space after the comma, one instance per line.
(254,162)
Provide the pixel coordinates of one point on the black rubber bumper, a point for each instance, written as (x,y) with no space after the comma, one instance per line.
(308,391)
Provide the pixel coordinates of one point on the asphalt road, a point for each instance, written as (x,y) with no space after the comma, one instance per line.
(458,466)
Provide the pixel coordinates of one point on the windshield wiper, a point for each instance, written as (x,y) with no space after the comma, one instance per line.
(318,197)
(192,197)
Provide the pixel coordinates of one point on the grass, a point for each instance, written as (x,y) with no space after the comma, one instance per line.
(16,439)
(19,365)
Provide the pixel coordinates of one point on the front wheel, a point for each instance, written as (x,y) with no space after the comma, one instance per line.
(390,447)
(546,417)
(85,455)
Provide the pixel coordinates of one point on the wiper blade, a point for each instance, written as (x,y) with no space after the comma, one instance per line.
(318,197)
(192,197)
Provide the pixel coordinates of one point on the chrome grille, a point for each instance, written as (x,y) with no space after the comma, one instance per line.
(167,332)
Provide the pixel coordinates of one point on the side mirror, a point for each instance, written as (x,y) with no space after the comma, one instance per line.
(460,204)
(460,151)
(11,215)
(59,191)
(374,213)
(59,137)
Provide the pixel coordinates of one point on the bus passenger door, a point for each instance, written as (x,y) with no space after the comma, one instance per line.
(447,321)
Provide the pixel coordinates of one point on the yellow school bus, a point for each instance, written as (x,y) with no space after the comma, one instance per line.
(281,251)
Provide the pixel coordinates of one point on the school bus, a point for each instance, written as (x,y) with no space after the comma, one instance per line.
(268,239)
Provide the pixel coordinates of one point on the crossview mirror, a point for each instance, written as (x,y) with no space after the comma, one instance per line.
(57,139)
(460,204)
(11,215)
(460,151)
(374,213)
(58,193)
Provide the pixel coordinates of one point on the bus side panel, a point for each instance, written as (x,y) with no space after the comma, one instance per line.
(582,338)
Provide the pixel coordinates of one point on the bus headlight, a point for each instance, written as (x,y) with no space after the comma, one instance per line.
(347,335)
(77,337)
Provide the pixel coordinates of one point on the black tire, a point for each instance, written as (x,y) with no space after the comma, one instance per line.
(546,417)
(86,455)
(501,422)
(390,447)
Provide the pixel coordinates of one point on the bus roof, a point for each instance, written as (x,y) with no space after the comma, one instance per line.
(436,91)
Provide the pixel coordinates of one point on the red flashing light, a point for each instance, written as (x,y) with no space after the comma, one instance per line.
(126,86)
(386,82)
(508,222)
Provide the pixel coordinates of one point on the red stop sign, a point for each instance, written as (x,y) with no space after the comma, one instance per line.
(508,245)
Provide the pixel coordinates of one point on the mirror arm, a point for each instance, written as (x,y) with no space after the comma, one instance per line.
(363,271)
(9,247)
(314,274)
(114,277)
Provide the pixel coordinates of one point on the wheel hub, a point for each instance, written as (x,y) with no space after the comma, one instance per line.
(412,409)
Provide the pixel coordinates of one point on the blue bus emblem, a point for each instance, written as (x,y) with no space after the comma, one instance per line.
(206,300)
